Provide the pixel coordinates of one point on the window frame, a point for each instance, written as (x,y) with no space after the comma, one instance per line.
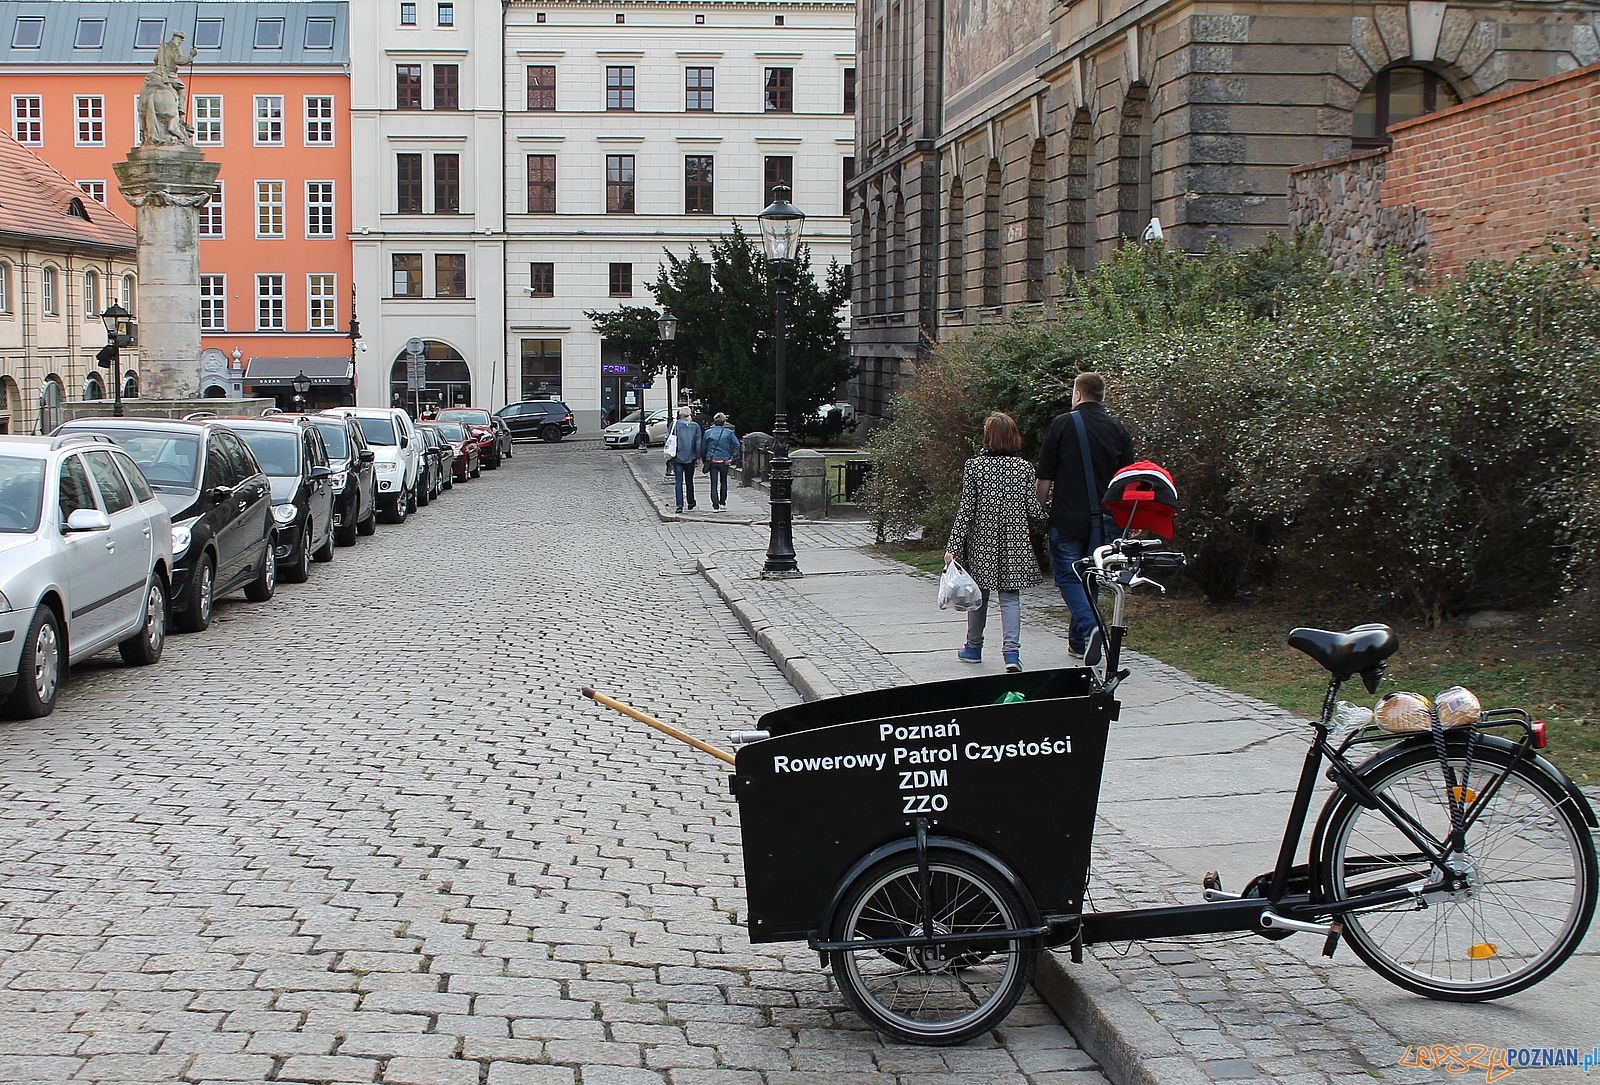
(530,87)
(777,90)
(266,123)
(447,183)
(34,23)
(91,295)
(83,187)
(408,86)
(214,209)
(264,300)
(321,205)
(776,169)
(95,123)
(322,301)
(619,279)
(408,183)
(203,124)
(140,41)
(700,97)
(848,91)
(445,15)
(455,271)
(265,207)
(408,12)
(319,120)
(85,21)
(620,190)
(447,77)
(541,184)
(415,288)
(622,90)
(265,22)
(541,273)
(699,189)
(49,291)
(208,24)
(320,21)
(35,122)
(213,301)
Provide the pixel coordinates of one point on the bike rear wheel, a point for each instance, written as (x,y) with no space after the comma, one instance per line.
(942,993)
(1529,865)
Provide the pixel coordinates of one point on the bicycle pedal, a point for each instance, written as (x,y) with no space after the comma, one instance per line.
(1211,888)
(1212,880)
(1331,943)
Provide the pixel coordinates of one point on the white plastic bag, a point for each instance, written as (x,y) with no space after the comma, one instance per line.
(958,590)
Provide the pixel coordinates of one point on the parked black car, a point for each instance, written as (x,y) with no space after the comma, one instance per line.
(296,463)
(220,502)
(439,457)
(355,484)
(545,419)
(502,429)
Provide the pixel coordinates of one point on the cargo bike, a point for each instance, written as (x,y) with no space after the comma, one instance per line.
(929,841)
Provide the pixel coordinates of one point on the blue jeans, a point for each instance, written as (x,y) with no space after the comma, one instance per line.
(683,479)
(1010,621)
(1064,551)
(718,484)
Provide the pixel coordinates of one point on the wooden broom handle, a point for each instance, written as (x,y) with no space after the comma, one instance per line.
(665,728)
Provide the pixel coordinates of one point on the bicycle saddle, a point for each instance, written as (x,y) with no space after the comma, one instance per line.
(1361,650)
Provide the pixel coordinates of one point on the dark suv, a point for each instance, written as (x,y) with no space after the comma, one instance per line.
(546,419)
(296,462)
(220,503)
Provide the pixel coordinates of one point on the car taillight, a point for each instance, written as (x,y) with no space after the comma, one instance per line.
(1540,739)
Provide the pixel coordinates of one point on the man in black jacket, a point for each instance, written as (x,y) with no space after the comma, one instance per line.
(1072,498)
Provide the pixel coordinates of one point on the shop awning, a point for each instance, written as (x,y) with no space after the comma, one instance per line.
(280,372)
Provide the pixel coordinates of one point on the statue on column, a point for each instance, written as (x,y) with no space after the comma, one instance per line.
(163,99)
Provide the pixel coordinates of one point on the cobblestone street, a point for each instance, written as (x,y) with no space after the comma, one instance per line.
(370,832)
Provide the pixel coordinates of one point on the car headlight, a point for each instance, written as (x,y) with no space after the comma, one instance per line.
(339,478)
(285,513)
(182,533)
(387,467)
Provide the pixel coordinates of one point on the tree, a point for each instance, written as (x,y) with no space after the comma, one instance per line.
(724,348)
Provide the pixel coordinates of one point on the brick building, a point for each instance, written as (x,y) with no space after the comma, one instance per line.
(1002,140)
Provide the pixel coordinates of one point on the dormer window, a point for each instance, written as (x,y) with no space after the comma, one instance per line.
(269,33)
(91,34)
(319,33)
(28,34)
(208,34)
(149,33)
(75,209)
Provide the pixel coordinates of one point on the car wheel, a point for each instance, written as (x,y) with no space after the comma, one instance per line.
(144,647)
(299,570)
(325,551)
(261,588)
(370,524)
(550,434)
(477,472)
(345,533)
(508,451)
(197,615)
(449,481)
(40,669)
(424,492)
(411,500)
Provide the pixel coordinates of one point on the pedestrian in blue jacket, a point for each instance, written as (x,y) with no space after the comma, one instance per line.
(689,450)
(722,448)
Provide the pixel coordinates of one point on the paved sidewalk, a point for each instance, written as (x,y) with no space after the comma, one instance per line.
(1198,778)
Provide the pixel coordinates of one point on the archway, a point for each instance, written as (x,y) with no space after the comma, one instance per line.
(1398,93)
(1080,193)
(1133,163)
(10,404)
(215,391)
(52,396)
(447,380)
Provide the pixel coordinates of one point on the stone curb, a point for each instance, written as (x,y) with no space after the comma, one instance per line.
(803,674)
(1113,1026)
(643,482)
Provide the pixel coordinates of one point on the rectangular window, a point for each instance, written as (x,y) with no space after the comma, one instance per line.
(779,170)
(208,34)
(700,89)
(542,280)
(408,86)
(90,129)
(320,293)
(28,33)
(269,120)
(269,209)
(849,90)
(207,112)
(408,184)
(212,215)
(849,175)
(91,34)
(95,190)
(619,88)
(269,34)
(542,88)
(447,86)
(779,96)
(319,208)
(47,292)
(27,119)
(447,14)
(697,184)
(541,184)
(621,280)
(446,184)
(213,303)
(407,268)
(319,33)
(449,274)
(319,120)
(149,33)
(408,13)
(619,184)
(269,303)
(541,368)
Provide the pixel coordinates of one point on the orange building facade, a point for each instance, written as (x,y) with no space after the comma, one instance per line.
(268,98)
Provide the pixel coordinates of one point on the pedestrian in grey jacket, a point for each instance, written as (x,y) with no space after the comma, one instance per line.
(687,456)
(990,536)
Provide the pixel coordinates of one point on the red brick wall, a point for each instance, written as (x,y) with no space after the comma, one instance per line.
(1496,175)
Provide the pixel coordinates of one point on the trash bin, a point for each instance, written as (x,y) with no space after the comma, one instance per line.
(856,473)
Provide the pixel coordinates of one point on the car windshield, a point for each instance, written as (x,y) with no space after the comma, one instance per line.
(337,440)
(377,431)
(453,431)
(169,460)
(21,494)
(279,453)
(472,418)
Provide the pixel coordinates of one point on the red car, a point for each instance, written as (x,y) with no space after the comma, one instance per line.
(481,426)
(465,462)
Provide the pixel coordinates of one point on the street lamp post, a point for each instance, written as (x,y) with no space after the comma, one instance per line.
(301,385)
(667,331)
(355,343)
(116,319)
(781,225)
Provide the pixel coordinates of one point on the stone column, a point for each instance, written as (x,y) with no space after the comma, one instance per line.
(168,183)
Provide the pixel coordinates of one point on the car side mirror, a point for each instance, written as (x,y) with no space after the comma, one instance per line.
(320,472)
(367,455)
(405,442)
(88,520)
(220,494)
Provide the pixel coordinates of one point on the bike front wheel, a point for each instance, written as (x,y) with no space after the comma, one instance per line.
(1528,868)
(939,993)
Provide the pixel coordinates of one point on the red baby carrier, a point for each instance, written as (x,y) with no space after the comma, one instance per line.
(1143,497)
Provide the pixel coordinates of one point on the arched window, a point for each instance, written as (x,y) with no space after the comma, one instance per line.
(130,385)
(91,295)
(52,394)
(5,287)
(1133,163)
(1080,194)
(1033,257)
(447,378)
(1394,95)
(992,256)
(93,386)
(75,209)
(955,271)
(129,293)
(49,292)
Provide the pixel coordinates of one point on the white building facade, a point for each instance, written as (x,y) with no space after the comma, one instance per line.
(587,138)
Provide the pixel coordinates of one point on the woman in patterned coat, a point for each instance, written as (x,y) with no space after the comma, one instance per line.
(990,535)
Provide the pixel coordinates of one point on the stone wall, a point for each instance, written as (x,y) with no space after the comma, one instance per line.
(1344,198)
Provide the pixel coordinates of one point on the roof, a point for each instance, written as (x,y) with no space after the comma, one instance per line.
(59,34)
(38,203)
